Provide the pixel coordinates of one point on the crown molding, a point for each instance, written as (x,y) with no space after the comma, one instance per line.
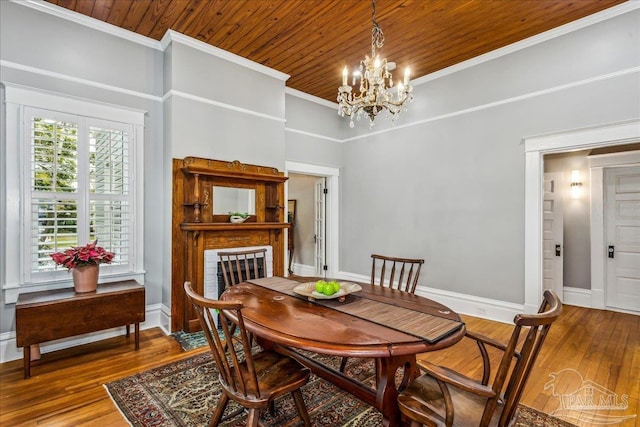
(172,36)
(606,14)
(169,36)
(87,21)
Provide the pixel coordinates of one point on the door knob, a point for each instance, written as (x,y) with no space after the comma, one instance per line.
(557,250)
(611,251)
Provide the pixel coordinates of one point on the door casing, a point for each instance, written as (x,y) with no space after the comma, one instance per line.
(332,210)
(536,147)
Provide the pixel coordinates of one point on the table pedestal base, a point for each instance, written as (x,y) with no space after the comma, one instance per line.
(383,398)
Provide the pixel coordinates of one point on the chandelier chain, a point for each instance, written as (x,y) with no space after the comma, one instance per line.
(377,36)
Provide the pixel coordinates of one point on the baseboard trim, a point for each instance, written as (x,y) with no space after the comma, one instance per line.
(165,319)
(470,305)
(303,270)
(576,296)
(9,351)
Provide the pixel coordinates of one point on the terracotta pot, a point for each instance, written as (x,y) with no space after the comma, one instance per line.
(85,279)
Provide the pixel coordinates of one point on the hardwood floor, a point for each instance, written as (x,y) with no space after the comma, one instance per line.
(66,387)
(593,345)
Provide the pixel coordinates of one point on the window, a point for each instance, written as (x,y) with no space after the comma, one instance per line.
(76,183)
(79,187)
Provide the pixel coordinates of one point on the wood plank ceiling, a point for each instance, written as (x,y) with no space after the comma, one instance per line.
(312,40)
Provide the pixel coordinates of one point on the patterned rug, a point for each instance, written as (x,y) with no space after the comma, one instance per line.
(181,394)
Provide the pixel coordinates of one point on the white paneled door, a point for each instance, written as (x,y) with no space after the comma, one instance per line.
(552,229)
(622,237)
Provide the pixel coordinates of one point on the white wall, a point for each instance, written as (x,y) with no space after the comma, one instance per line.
(447,182)
(313,131)
(216,114)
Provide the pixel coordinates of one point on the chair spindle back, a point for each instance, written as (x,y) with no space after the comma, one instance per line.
(240,266)
(403,273)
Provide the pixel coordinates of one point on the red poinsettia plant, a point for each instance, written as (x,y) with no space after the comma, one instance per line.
(81,256)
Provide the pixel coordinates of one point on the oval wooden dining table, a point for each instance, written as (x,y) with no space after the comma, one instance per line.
(387,325)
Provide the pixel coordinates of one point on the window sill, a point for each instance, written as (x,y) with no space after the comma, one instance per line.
(11,292)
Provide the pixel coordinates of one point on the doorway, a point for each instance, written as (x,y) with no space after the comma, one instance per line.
(535,149)
(315,189)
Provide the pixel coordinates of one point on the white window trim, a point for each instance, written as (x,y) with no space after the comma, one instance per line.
(16,98)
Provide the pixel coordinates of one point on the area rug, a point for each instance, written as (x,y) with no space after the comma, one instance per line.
(181,394)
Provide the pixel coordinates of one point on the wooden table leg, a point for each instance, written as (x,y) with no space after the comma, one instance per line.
(137,334)
(128,331)
(387,393)
(27,361)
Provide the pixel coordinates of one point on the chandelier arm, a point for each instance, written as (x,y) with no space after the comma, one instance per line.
(398,103)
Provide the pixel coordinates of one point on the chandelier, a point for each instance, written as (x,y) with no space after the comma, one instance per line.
(376,84)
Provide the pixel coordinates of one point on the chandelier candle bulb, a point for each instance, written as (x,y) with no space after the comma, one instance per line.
(406,76)
(345,75)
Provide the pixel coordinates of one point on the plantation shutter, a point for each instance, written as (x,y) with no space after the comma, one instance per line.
(109,182)
(54,188)
(80,187)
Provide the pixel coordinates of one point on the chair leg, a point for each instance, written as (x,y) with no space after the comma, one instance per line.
(253,418)
(343,364)
(302,408)
(217,415)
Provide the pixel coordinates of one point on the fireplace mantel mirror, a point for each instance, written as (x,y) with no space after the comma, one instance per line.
(227,200)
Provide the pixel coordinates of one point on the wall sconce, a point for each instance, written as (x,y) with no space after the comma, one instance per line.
(575,184)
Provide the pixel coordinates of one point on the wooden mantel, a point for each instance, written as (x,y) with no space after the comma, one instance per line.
(195,227)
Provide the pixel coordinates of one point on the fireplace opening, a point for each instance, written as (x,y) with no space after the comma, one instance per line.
(236,274)
(213,281)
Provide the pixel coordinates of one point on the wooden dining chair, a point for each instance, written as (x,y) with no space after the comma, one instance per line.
(444,397)
(394,273)
(241,266)
(254,380)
